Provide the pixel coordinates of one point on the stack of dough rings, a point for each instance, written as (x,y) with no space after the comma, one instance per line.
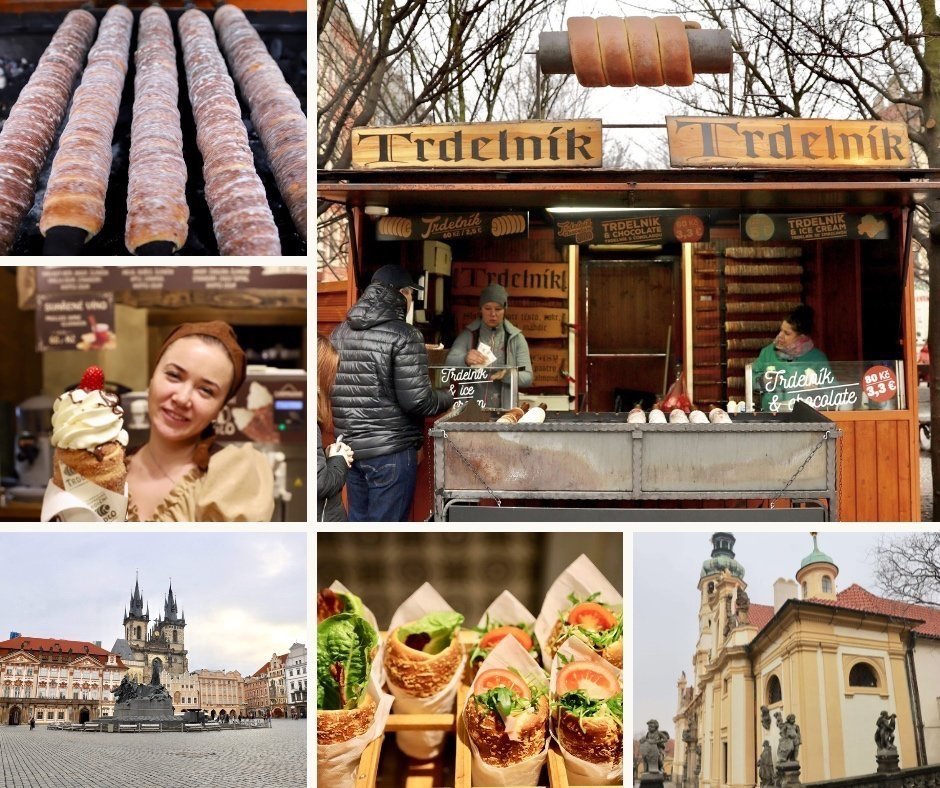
(629,51)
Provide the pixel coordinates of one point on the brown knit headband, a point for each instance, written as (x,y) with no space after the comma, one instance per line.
(225,334)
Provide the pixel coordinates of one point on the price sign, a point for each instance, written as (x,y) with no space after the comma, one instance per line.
(880,384)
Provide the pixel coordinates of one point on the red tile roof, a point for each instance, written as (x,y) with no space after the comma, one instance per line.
(760,615)
(78,648)
(857,598)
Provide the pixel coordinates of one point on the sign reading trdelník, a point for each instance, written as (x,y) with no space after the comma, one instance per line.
(531,144)
(786,142)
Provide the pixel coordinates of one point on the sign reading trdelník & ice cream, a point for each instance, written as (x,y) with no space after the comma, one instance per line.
(531,144)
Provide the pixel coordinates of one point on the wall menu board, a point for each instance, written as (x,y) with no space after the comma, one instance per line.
(53,279)
(548,364)
(448,226)
(75,321)
(815,226)
(632,227)
(534,322)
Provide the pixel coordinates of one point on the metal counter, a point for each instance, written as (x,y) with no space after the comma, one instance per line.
(599,456)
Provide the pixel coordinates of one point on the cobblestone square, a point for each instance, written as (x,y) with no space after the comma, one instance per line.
(273,757)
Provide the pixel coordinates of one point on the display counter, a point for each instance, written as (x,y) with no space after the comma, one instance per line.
(602,457)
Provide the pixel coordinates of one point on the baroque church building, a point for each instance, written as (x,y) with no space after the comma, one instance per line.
(162,640)
(835,659)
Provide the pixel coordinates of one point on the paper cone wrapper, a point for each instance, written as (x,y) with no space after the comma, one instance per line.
(83,502)
(378,669)
(581,772)
(581,578)
(337,763)
(422,745)
(509,654)
(508,611)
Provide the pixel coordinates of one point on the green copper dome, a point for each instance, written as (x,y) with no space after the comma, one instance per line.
(816,557)
(722,559)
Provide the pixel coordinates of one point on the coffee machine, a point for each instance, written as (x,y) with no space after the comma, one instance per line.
(32,457)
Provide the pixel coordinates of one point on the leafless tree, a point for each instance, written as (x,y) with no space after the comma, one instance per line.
(907,567)
(875,59)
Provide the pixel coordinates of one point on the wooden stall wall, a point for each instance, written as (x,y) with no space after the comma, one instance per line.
(632,308)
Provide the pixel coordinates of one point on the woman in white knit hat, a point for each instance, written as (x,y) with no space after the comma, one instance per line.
(502,337)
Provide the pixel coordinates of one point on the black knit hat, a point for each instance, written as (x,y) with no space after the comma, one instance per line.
(396,277)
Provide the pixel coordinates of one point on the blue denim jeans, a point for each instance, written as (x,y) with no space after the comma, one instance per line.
(380,489)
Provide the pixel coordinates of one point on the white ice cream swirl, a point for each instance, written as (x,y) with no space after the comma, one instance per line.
(86,419)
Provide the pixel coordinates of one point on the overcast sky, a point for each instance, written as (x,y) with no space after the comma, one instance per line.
(243,594)
(667,567)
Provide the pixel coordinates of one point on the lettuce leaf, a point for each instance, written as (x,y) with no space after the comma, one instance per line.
(346,646)
(438,627)
(579,704)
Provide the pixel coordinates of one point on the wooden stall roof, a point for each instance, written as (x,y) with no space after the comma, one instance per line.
(729,189)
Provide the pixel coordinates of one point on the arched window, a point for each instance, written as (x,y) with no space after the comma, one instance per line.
(863,675)
(805,591)
(137,633)
(174,636)
(827,584)
(774,691)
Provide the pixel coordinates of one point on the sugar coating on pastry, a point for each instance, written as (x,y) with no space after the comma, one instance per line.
(78,181)
(29,130)
(275,108)
(241,216)
(156,189)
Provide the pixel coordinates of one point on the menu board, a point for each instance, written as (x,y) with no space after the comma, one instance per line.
(53,279)
(633,227)
(448,226)
(75,321)
(815,226)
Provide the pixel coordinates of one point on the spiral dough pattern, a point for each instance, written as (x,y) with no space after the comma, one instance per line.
(156,191)
(275,109)
(29,130)
(241,217)
(78,181)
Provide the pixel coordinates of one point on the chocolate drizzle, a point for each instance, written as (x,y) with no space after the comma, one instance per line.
(110,400)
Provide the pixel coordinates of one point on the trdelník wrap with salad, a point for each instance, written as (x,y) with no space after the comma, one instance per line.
(351,708)
(587,714)
(505,617)
(506,718)
(423,661)
(582,603)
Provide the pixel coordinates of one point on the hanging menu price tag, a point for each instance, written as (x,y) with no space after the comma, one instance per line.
(880,383)
(75,321)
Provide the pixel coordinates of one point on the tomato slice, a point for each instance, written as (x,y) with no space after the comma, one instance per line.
(493,637)
(597,681)
(491,679)
(593,616)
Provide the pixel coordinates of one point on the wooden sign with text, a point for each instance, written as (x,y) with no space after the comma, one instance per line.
(815,226)
(448,226)
(521,280)
(786,142)
(628,228)
(547,366)
(535,144)
(534,322)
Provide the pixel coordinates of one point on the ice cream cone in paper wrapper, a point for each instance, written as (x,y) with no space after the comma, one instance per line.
(89,476)
(423,663)
(506,718)
(587,714)
(351,708)
(582,603)
(256,421)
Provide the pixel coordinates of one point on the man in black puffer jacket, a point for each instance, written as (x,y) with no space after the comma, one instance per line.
(381,393)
